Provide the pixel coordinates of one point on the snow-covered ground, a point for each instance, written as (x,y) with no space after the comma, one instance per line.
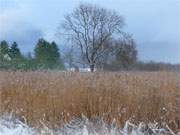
(12,126)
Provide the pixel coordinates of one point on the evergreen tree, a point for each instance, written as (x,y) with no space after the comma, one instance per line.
(56,56)
(4,55)
(17,59)
(47,55)
(4,49)
(41,52)
(14,51)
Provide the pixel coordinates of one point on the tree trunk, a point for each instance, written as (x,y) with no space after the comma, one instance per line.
(92,67)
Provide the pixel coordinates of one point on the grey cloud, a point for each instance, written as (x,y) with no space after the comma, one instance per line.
(26,35)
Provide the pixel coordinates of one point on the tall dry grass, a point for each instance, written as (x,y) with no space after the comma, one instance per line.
(57,97)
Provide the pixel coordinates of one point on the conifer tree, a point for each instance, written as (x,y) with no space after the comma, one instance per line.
(47,54)
(4,49)
(14,51)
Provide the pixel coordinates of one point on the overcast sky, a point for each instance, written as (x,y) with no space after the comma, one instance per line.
(155,24)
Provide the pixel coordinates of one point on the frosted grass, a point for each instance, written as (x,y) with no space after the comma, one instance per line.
(12,126)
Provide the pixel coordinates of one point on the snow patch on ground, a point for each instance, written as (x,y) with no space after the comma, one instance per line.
(82,126)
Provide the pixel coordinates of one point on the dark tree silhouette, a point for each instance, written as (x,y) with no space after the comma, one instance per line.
(14,51)
(90,27)
(47,54)
(4,50)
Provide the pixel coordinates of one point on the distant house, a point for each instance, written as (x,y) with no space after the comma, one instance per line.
(7,57)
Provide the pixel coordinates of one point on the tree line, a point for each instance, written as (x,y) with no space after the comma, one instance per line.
(46,56)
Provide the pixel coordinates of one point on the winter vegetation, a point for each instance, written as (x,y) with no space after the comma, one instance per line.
(55,98)
(12,126)
(95,85)
(46,56)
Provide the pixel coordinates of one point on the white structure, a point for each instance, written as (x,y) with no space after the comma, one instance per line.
(79,69)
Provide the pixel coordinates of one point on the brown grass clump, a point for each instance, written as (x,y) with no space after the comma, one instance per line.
(57,97)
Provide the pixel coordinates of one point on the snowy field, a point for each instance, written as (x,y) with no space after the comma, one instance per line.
(12,126)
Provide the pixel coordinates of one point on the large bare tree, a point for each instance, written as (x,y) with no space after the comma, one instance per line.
(90,27)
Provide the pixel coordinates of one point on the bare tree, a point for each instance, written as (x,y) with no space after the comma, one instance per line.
(122,54)
(126,52)
(90,27)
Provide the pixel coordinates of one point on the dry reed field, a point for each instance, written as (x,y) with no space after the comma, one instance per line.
(55,98)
